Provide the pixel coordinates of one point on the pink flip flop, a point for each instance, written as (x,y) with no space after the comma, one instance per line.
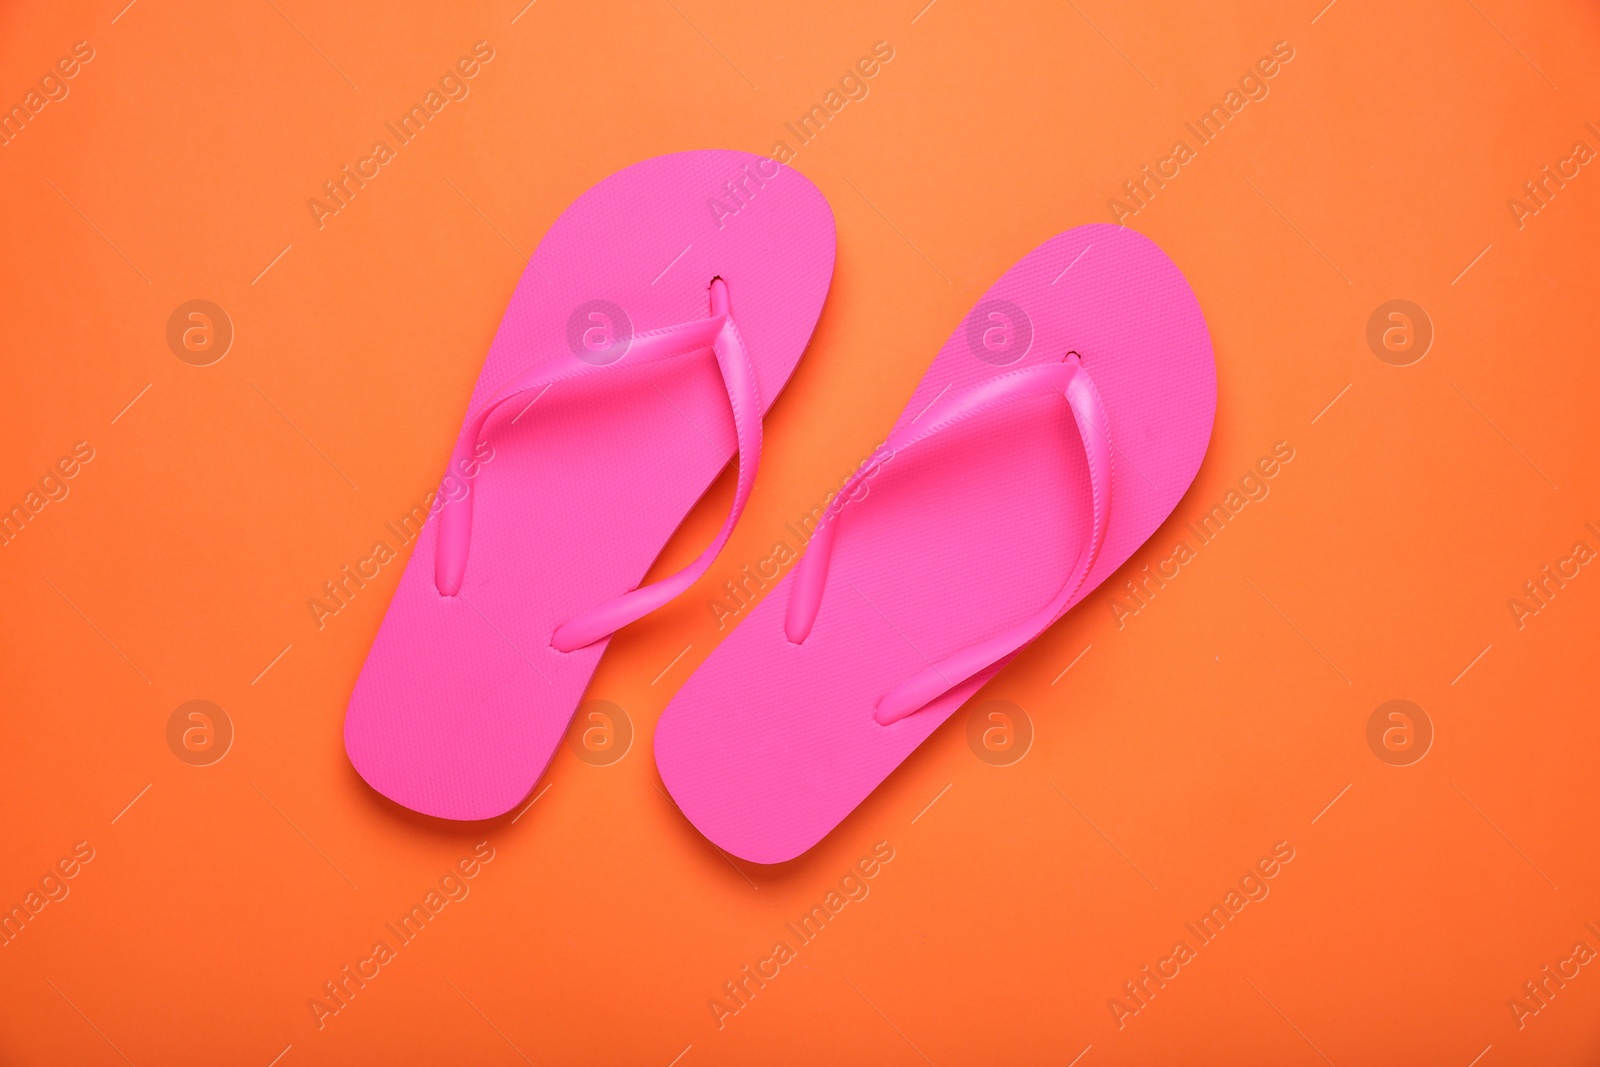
(992,508)
(653,327)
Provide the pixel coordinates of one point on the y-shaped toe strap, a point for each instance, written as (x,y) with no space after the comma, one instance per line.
(1069,379)
(738,376)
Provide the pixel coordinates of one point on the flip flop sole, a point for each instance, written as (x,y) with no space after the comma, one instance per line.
(770,743)
(462,702)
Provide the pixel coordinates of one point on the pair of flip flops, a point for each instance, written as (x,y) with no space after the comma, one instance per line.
(656,323)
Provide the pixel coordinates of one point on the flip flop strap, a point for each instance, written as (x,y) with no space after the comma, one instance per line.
(721,334)
(1068,379)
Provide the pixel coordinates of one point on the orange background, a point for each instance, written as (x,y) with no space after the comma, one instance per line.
(1222,718)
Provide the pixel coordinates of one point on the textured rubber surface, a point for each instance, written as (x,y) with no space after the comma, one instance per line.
(770,744)
(462,701)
